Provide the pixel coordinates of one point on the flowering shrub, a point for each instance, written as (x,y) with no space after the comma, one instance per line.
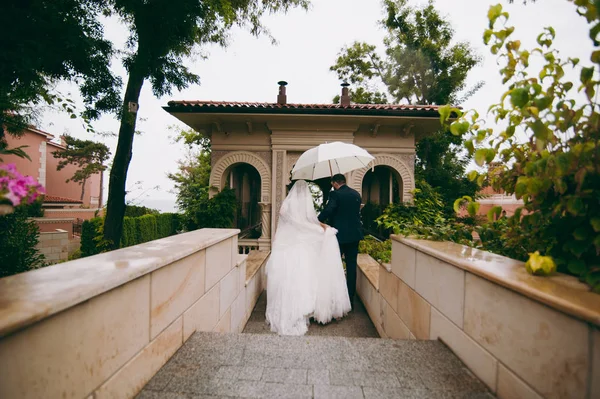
(17,188)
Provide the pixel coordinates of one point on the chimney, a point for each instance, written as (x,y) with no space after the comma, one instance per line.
(345,99)
(281,97)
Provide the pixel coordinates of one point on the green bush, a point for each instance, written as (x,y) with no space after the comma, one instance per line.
(378,250)
(165,225)
(136,230)
(129,236)
(217,212)
(136,211)
(18,238)
(145,228)
(90,234)
(547,150)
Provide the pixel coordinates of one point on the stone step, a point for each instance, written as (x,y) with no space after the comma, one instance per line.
(259,365)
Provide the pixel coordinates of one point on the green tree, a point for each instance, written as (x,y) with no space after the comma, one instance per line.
(421,66)
(161,37)
(89,157)
(549,150)
(192,178)
(45,42)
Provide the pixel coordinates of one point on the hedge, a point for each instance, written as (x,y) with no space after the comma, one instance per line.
(145,228)
(128,238)
(90,230)
(136,230)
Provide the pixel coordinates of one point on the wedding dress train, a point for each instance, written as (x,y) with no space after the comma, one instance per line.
(305,277)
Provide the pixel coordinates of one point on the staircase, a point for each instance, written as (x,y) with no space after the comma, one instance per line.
(341,360)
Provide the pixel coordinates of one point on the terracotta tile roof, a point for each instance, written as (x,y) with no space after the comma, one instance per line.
(256,107)
(54,199)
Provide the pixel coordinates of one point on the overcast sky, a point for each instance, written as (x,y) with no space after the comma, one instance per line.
(248,70)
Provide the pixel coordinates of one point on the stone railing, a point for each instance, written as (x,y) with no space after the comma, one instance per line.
(104,325)
(246,245)
(523,336)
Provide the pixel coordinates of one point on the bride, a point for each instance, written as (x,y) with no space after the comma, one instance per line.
(305,276)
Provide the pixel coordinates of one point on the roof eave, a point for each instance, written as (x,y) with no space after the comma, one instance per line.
(301,111)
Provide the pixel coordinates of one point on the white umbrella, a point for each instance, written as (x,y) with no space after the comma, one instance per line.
(330,159)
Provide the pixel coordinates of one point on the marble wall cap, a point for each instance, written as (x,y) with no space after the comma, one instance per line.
(32,296)
(560,291)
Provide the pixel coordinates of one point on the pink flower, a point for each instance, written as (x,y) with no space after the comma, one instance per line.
(16,188)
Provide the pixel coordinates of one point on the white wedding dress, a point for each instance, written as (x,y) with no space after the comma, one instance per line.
(305,276)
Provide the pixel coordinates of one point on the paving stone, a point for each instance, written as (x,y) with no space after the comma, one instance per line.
(251,373)
(285,376)
(147,394)
(160,380)
(278,390)
(331,361)
(393,393)
(337,392)
(228,373)
(362,378)
(318,377)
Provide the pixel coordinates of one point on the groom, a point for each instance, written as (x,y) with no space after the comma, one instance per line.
(343,212)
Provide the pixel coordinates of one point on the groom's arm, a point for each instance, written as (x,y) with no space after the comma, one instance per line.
(332,204)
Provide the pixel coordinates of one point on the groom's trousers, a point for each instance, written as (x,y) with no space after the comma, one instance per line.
(350,252)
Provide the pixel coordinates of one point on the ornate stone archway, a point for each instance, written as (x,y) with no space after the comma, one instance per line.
(232,158)
(394,162)
(236,157)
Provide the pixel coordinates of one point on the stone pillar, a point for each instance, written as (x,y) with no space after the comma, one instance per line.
(265,216)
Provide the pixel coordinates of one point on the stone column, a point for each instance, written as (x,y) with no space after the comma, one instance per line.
(265,216)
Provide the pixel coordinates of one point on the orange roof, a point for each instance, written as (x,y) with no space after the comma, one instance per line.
(54,199)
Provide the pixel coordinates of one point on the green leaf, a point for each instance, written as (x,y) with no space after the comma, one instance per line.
(457,204)
(494,213)
(542,103)
(521,186)
(595,222)
(575,205)
(580,233)
(576,267)
(487,35)
(490,155)
(540,265)
(519,97)
(540,130)
(472,175)
(494,13)
(459,128)
(445,112)
(469,145)
(480,156)
(510,131)
(473,208)
(586,74)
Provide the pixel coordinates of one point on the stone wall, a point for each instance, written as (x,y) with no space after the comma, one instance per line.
(104,325)
(523,336)
(54,245)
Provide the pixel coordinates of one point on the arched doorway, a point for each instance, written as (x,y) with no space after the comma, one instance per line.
(382,186)
(250,176)
(245,180)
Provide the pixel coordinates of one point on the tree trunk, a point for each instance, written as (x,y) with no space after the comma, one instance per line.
(115,206)
(83,189)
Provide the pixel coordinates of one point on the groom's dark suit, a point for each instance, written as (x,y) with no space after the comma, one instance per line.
(343,212)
